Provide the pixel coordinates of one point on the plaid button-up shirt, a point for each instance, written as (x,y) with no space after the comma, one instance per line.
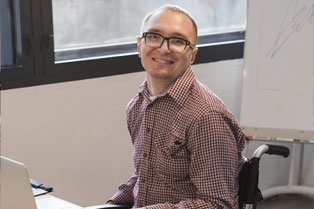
(187,149)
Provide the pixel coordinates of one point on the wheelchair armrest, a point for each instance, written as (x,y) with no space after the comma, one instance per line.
(108,206)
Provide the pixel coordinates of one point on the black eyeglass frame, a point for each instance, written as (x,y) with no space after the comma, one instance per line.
(187,43)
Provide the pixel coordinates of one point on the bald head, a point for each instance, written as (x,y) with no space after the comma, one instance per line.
(171,8)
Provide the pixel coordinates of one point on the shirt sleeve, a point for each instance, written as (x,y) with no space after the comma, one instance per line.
(215,145)
(124,195)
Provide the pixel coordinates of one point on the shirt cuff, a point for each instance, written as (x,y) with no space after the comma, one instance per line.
(121,198)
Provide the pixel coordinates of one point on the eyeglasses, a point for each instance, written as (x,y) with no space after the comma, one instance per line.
(175,44)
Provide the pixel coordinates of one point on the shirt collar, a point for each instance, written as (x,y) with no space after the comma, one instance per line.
(178,90)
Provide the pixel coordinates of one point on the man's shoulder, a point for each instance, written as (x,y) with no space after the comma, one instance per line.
(203,98)
(132,103)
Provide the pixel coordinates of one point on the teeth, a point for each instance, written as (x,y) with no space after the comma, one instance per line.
(163,61)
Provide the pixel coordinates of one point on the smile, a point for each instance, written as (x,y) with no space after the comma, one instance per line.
(168,62)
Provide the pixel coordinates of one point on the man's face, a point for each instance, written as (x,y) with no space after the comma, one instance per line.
(162,63)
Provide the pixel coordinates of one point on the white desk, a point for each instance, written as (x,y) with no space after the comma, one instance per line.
(51,202)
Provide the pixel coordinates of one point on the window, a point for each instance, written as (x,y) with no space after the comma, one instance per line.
(110,27)
(10,34)
(16,39)
(55,40)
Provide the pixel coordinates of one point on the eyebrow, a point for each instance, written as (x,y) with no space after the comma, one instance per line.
(176,34)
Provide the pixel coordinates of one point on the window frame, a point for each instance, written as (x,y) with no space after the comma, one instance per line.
(44,70)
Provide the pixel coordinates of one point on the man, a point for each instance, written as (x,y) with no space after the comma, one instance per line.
(187,145)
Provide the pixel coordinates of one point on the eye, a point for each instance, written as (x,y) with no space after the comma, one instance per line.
(178,41)
(153,36)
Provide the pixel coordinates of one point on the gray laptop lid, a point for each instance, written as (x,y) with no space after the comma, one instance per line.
(15,188)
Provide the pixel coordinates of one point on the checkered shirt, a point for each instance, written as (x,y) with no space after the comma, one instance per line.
(187,149)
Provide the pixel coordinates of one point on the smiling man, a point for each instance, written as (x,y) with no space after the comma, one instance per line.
(187,145)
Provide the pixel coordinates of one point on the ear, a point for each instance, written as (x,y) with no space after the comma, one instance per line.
(193,55)
(139,43)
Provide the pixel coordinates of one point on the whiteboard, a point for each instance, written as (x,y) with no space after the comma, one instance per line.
(277,98)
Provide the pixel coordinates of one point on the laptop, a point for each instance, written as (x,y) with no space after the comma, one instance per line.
(15,188)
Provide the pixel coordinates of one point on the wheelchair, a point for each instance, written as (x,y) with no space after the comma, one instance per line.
(249,193)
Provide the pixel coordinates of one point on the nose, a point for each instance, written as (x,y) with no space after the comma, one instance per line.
(165,46)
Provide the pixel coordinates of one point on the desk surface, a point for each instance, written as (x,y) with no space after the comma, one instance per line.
(52,202)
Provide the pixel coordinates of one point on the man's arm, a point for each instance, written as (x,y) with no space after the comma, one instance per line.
(215,143)
(124,195)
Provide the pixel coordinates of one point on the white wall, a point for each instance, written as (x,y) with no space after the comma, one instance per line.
(73,135)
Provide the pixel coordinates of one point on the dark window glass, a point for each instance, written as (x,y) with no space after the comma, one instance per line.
(10,33)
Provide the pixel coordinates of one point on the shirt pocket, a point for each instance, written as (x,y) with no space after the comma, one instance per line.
(172,157)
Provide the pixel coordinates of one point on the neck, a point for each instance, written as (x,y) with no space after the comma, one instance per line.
(157,86)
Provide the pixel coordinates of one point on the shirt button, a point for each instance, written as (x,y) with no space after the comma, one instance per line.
(177,143)
(143,180)
(145,155)
(147,130)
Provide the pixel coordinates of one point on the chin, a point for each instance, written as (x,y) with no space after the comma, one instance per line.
(160,76)
(162,73)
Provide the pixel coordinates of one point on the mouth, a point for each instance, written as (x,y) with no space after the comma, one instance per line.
(163,61)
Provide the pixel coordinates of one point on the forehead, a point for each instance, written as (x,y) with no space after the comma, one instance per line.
(171,23)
